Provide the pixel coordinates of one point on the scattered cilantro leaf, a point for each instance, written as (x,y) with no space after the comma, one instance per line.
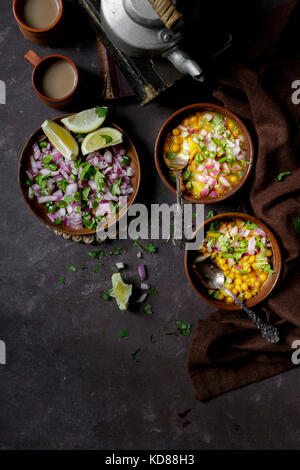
(70,267)
(124,333)
(282,175)
(107,295)
(184,327)
(153,291)
(148,309)
(210,214)
(134,354)
(62,280)
(151,248)
(218,381)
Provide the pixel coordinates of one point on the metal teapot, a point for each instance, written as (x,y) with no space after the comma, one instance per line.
(147,28)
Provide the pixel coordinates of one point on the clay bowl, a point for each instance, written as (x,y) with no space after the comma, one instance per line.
(39,210)
(172,122)
(270,282)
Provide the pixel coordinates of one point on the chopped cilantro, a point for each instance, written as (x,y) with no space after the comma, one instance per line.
(210,214)
(250,225)
(171,155)
(213,293)
(214,226)
(126,160)
(115,187)
(217,124)
(62,280)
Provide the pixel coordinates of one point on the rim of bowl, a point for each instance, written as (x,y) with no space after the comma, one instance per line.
(178,115)
(16,5)
(65,229)
(269,285)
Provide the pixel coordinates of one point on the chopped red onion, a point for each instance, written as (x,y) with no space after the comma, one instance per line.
(142,272)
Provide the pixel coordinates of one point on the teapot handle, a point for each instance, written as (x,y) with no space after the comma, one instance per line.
(167,12)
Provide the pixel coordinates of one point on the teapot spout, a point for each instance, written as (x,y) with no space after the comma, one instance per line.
(184,64)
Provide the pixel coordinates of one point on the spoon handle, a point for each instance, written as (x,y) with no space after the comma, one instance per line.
(178,232)
(269,332)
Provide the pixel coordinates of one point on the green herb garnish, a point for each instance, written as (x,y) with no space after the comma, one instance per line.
(282,175)
(107,295)
(217,124)
(126,160)
(62,280)
(134,354)
(101,111)
(184,327)
(70,267)
(124,333)
(153,291)
(171,155)
(148,309)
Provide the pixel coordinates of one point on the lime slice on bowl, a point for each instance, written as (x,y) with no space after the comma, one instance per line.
(120,291)
(103,137)
(86,121)
(62,140)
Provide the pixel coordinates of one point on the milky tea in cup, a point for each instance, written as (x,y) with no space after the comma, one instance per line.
(39,14)
(57,78)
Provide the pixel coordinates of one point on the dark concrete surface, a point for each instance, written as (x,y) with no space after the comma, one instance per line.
(64,385)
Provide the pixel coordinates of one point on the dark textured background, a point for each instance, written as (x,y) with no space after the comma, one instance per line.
(66,386)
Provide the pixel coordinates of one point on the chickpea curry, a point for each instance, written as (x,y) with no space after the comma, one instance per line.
(217,153)
(244,253)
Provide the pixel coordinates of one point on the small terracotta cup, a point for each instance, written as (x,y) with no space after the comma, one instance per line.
(40,65)
(43,36)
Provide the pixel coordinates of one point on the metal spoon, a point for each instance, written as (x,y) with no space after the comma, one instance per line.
(212,277)
(177,164)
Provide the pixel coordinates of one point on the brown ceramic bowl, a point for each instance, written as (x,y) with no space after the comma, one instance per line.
(172,122)
(39,65)
(269,284)
(43,36)
(39,210)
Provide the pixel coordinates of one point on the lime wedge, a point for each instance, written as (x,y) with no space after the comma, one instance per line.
(103,137)
(62,140)
(86,121)
(121,291)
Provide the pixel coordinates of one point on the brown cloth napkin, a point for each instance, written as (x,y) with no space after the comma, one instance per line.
(227,351)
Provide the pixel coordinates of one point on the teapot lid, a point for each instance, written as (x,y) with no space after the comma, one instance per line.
(141,12)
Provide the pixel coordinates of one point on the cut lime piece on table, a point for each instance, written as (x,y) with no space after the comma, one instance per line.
(103,137)
(120,291)
(86,121)
(62,140)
